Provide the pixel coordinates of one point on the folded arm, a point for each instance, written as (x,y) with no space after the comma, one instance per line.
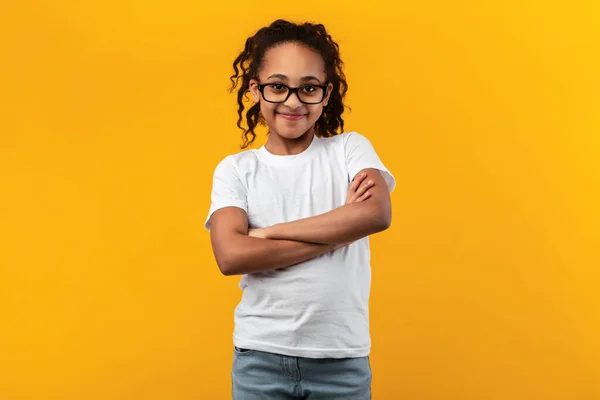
(345,224)
(237,253)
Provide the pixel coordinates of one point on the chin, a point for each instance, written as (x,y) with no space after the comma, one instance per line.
(292,132)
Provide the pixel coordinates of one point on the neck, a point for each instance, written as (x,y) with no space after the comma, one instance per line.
(281,146)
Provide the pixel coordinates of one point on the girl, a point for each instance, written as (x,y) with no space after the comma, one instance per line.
(293,218)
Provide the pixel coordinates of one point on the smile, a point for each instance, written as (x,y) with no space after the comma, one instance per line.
(290,117)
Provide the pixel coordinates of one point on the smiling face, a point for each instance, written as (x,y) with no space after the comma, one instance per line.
(293,65)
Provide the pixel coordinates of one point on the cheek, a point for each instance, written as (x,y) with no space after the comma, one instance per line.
(267,109)
(315,111)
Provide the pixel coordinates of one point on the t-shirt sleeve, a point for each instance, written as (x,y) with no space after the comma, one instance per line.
(360,155)
(227,189)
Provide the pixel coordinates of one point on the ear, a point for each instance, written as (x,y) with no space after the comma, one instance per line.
(329,90)
(254,90)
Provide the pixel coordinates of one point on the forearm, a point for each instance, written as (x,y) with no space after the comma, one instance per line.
(247,254)
(341,225)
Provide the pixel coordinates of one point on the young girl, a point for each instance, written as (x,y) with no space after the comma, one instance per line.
(293,218)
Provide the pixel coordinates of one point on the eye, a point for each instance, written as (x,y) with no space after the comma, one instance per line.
(278,87)
(308,88)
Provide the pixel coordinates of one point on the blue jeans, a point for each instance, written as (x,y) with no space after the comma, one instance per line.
(267,376)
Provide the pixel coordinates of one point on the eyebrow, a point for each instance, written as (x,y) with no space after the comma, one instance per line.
(303,79)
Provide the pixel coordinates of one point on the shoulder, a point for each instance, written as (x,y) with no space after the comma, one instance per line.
(342,138)
(347,140)
(355,137)
(236,162)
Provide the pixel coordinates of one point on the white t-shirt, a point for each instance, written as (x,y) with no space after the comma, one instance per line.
(318,308)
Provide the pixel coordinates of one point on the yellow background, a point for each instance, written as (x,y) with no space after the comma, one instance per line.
(113,115)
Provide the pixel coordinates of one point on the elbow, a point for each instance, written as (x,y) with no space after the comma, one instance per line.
(226,265)
(229,258)
(380,216)
(225,269)
(384,222)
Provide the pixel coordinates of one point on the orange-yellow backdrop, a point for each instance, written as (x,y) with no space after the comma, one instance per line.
(114,113)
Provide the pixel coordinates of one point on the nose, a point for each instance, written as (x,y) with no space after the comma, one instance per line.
(293,101)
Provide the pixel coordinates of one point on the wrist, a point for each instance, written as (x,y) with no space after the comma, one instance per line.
(271,232)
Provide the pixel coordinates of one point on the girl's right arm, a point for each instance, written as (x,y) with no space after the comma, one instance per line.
(237,253)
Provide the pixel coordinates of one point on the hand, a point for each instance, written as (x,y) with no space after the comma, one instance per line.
(258,233)
(341,245)
(358,189)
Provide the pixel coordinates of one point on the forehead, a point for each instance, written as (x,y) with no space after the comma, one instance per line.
(292,60)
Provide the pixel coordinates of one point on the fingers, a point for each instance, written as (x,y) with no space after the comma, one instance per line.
(353,186)
(358,188)
(341,245)
(363,197)
(357,181)
(363,188)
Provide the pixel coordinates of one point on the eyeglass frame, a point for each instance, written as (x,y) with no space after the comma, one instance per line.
(261,88)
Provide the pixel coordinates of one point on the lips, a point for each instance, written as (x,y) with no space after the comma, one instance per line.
(291,117)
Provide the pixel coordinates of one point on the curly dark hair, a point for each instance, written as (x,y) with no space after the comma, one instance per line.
(248,63)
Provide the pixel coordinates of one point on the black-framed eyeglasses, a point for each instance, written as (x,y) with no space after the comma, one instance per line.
(279,93)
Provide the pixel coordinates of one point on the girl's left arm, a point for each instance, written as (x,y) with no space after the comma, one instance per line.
(345,224)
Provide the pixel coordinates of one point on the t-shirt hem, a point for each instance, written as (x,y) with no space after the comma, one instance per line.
(301,351)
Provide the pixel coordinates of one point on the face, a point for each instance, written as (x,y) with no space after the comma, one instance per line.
(293,65)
